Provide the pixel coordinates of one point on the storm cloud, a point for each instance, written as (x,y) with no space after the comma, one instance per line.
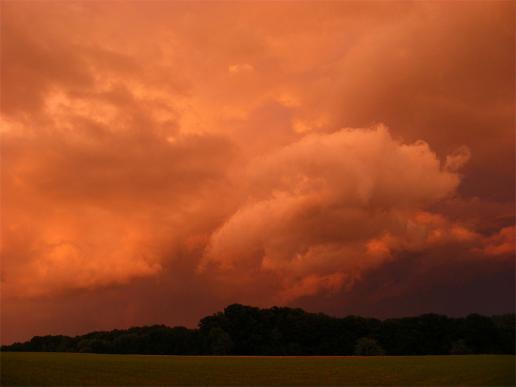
(161,160)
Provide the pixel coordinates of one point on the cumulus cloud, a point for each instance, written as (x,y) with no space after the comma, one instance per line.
(318,210)
(107,217)
(105,204)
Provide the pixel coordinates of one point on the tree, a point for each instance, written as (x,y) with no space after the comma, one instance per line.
(459,347)
(127,343)
(246,330)
(220,342)
(366,346)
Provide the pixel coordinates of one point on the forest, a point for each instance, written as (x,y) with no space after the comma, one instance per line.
(282,331)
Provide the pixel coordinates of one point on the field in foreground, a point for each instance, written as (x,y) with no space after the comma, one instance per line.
(33,369)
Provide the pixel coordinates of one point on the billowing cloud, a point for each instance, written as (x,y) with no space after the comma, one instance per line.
(169,158)
(319,206)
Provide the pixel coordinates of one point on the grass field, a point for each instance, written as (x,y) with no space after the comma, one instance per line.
(35,369)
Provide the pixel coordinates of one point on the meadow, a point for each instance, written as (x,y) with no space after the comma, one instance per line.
(38,369)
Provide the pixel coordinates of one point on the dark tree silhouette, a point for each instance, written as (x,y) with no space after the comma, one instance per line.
(367,346)
(246,330)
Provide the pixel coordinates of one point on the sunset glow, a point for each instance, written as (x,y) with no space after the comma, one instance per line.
(160,160)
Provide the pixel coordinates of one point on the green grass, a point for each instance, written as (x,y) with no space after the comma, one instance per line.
(36,369)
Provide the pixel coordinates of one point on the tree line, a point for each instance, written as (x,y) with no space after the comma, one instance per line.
(246,330)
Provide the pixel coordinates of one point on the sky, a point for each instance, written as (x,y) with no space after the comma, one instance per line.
(161,160)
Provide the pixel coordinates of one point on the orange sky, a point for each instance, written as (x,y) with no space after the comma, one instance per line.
(160,160)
